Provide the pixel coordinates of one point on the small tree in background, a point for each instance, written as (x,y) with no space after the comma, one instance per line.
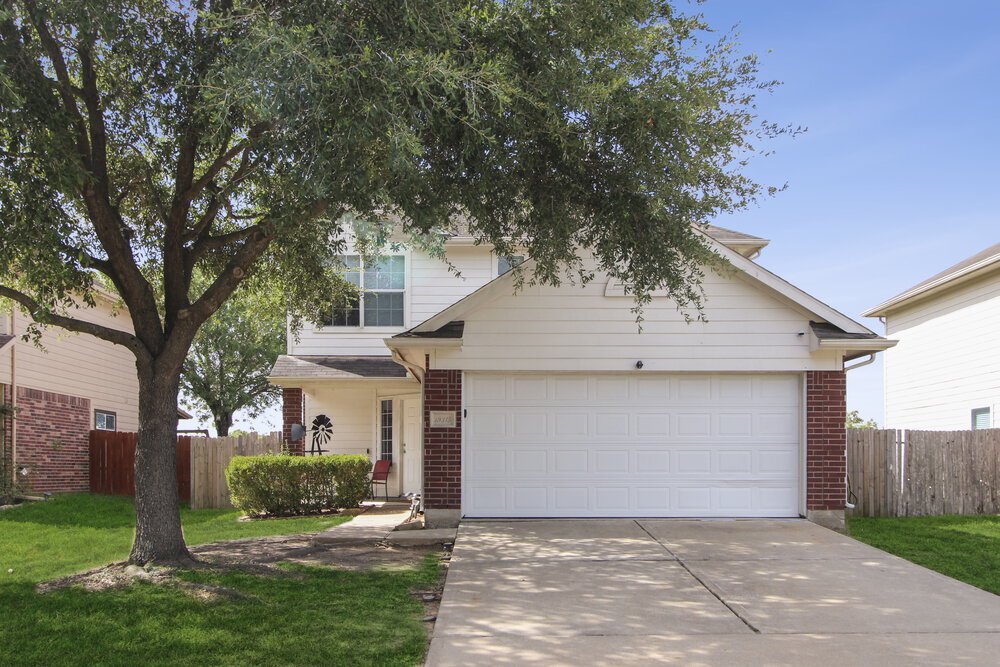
(226,369)
(855,420)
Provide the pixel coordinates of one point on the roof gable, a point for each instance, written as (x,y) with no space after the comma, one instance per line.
(746,269)
(983,261)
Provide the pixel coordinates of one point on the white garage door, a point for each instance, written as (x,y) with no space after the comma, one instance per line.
(641,445)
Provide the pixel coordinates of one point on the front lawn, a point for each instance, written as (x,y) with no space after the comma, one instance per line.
(964,547)
(316,615)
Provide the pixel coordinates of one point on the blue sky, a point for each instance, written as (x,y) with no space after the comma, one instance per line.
(897,177)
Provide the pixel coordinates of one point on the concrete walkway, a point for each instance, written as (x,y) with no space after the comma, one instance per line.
(377,524)
(705,592)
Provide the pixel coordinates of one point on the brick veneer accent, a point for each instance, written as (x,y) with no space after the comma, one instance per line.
(293,412)
(826,439)
(53,440)
(442,391)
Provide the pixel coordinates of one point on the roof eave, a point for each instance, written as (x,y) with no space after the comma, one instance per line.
(421,341)
(966,273)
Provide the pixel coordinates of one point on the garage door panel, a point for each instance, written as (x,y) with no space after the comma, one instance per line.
(651,445)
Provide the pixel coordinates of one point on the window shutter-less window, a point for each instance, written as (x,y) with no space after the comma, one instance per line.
(980,418)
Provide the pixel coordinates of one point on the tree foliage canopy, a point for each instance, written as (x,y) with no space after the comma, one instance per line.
(143,142)
(227,367)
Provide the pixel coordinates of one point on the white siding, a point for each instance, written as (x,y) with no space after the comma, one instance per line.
(947,362)
(78,365)
(353,407)
(573,328)
(431,288)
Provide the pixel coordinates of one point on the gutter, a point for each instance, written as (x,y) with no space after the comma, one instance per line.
(418,372)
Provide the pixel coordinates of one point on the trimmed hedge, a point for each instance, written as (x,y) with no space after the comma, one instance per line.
(283,484)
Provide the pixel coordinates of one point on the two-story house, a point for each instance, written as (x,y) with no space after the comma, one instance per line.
(945,372)
(550,401)
(62,390)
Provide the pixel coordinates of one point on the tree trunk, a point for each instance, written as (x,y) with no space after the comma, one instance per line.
(223,422)
(158,535)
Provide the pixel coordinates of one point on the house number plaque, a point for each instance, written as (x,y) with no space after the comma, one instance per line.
(442,419)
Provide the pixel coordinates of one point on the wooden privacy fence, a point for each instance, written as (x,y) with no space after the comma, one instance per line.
(112,464)
(209,458)
(921,473)
(201,464)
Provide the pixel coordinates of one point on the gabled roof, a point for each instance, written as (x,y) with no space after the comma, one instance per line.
(968,268)
(322,367)
(821,312)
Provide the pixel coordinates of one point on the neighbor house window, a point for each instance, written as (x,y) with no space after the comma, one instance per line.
(980,418)
(505,264)
(382,284)
(105,421)
(385,431)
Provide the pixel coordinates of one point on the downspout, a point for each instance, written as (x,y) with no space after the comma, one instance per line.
(869,360)
(850,502)
(13,398)
(413,368)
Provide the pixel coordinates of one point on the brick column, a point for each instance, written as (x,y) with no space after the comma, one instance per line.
(442,493)
(826,442)
(292,412)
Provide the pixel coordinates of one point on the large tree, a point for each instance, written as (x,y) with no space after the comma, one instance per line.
(227,367)
(144,140)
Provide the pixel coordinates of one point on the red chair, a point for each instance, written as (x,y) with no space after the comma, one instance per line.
(380,475)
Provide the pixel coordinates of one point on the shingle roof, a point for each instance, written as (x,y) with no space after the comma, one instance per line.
(308,366)
(453,329)
(827,331)
(5,338)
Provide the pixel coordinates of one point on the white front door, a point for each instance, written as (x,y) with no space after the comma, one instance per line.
(412,445)
(642,444)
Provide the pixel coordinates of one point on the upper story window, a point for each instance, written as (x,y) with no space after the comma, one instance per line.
(980,418)
(382,283)
(505,264)
(105,421)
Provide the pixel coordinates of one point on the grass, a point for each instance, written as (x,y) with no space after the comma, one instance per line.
(966,548)
(319,616)
(75,531)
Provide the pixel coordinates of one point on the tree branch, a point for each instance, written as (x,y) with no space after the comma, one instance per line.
(38,313)
(65,85)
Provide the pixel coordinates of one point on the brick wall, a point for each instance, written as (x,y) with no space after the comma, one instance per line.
(292,412)
(826,439)
(7,426)
(442,390)
(52,440)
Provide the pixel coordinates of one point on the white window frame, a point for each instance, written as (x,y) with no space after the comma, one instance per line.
(105,414)
(982,411)
(405,291)
(496,263)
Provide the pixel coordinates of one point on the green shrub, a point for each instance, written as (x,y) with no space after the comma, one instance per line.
(282,484)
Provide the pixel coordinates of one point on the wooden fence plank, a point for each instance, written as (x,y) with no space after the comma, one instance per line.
(921,473)
(211,456)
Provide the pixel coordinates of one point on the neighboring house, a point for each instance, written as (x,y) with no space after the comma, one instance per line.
(549,402)
(945,372)
(74,384)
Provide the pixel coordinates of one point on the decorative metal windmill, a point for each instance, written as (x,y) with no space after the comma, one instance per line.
(322,431)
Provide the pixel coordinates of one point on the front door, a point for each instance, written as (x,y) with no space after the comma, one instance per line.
(412,443)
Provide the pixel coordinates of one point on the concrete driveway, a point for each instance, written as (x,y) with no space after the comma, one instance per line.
(702,592)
